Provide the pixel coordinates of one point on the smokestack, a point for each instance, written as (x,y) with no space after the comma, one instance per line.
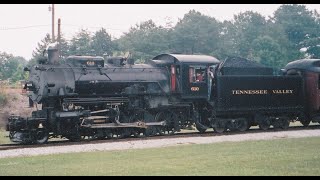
(53,53)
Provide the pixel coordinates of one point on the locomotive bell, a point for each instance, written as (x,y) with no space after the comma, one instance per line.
(53,53)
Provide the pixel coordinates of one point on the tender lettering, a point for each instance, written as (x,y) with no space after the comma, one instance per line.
(249,91)
(262,91)
(282,91)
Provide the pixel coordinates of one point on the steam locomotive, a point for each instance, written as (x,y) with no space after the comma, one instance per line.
(111,97)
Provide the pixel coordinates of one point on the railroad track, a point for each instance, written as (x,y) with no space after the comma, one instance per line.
(177,135)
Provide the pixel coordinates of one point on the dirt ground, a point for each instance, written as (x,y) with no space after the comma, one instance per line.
(17,104)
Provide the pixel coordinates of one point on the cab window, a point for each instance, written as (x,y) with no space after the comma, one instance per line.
(197,74)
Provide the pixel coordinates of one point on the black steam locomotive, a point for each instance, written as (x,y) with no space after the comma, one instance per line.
(113,97)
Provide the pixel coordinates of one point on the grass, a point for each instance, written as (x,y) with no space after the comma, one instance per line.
(276,157)
(3,138)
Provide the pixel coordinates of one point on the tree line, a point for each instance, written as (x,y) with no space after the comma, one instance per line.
(291,33)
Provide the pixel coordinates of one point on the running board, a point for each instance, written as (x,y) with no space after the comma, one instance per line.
(126,125)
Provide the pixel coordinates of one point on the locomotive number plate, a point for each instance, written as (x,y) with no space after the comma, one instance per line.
(195,88)
(90,63)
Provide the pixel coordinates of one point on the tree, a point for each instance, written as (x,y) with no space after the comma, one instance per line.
(80,43)
(247,27)
(11,67)
(38,52)
(268,52)
(19,74)
(101,43)
(196,33)
(301,27)
(42,45)
(278,34)
(144,41)
(312,46)
(227,46)
(4,58)
(64,48)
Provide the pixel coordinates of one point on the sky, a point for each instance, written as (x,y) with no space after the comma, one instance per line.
(23,26)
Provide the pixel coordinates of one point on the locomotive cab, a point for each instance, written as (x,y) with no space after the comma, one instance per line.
(189,74)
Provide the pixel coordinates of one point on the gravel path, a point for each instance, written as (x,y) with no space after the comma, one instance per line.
(140,144)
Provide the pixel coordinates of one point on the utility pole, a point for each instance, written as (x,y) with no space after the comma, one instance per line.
(52,10)
(59,36)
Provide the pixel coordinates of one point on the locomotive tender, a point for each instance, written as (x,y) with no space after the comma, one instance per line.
(113,97)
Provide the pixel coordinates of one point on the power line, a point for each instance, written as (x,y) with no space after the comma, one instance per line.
(22,27)
(93,27)
(34,26)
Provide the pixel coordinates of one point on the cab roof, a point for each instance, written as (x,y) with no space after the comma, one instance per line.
(183,58)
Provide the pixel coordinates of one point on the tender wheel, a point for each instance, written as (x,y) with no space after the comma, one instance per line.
(285,123)
(220,126)
(241,124)
(277,123)
(264,124)
(305,123)
(42,136)
(263,121)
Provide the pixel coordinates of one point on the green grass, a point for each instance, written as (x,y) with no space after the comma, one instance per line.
(3,138)
(276,157)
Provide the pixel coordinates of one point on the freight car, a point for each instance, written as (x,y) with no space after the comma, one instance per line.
(113,97)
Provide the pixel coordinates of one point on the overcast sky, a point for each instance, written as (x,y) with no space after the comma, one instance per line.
(23,26)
